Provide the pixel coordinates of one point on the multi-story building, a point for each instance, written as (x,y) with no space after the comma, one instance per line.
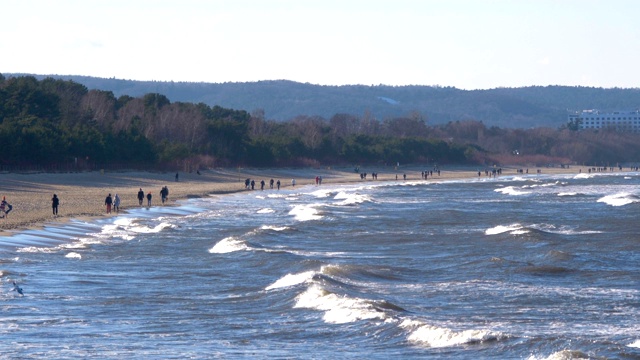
(627,121)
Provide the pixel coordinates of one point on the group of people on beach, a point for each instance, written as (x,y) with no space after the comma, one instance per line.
(251,184)
(112,203)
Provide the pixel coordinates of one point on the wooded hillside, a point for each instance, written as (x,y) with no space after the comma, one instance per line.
(282,100)
(62,125)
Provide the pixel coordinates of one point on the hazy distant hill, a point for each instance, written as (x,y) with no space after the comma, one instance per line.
(283,100)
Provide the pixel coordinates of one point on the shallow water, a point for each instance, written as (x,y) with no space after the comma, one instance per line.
(527,267)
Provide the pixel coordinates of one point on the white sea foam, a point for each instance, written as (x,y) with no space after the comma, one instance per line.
(562,355)
(274,228)
(265,211)
(502,229)
(544,185)
(36,249)
(305,212)
(564,230)
(583,176)
(567,194)
(73,255)
(142,229)
(635,344)
(291,280)
(619,199)
(338,309)
(510,190)
(351,198)
(437,337)
(127,229)
(228,245)
(322,193)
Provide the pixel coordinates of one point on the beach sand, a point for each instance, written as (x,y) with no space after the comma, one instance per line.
(83,194)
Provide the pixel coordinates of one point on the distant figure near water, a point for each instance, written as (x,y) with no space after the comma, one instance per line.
(55,201)
(116,203)
(164,192)
(5,207)
(140,196)
(108,201)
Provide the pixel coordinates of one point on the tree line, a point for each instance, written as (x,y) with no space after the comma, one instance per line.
(282,100)
(60,124)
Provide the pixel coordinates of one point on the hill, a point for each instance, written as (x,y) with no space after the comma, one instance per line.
(282,100)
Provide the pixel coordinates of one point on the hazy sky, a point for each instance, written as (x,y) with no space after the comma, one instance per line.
(468,44)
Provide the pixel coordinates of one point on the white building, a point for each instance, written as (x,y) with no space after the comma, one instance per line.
(626,121)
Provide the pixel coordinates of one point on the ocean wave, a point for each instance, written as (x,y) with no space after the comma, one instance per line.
(228,245)
(635,344)
(338,309)
(562,355)
(323,193)
(306,212)
(73,255)
(503,228)
(619,199)
(510,190)
(438,337)
(567,194)
(342,309)
(77,243)
(351,198)
(518,229)
(557,183)
(292,280)
(128,228)
(265,211)
(274,228)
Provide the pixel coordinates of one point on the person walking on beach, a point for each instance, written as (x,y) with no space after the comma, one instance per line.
(278,184)
(140,196)
(293,182)
(55,201)
(164,192)
(108,201)
(116,203)
(5,207)
(149,199)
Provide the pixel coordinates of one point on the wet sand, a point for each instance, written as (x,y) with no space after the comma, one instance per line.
(83,194)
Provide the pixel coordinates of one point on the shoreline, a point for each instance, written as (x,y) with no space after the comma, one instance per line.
(82,194)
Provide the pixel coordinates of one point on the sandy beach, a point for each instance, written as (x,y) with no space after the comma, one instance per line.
(83,194)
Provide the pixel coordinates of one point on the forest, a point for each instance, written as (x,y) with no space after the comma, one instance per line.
(60,125)
(283,100)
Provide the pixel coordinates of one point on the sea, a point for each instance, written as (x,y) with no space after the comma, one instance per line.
(526,266)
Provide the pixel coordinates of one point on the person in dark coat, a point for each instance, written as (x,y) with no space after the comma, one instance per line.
(55,201)
(140,196)
(108,201)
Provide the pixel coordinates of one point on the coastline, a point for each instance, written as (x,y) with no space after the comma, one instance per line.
(82,195)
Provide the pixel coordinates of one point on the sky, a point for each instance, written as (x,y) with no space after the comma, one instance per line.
(467,44)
